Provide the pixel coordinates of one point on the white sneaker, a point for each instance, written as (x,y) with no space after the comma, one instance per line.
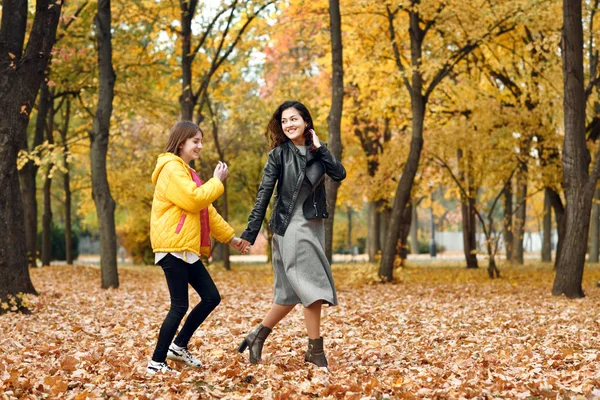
(176,353)
(155,367)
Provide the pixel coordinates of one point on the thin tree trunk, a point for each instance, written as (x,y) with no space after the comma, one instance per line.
(384,224)
(404,232)
(579,187)
(47,216)
(67,187)
(414,230)
(469,220)
(402,196)
(547,228)
(373,235)
(105,205)
(187,99)
(559,213)
(19,86)
(593,256)
(507,232)
(521,214)
(28,176)
(335,116)
(349,231)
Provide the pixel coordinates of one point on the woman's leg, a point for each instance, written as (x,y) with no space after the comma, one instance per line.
(276,314)
(202,282)
(315,353)
(255,340)
(176,274)
(312,319)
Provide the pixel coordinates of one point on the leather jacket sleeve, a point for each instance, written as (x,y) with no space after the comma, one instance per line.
(333,167)
(263,197)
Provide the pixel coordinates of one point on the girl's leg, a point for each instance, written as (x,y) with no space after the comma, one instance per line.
(202,282)
(312,319)
(276,314)
(176,274)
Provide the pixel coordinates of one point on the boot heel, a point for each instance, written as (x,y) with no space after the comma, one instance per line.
(242,346)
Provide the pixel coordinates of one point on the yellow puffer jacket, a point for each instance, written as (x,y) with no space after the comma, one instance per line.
(175,219)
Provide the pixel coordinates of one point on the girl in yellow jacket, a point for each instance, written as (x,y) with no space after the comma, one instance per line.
(181,223)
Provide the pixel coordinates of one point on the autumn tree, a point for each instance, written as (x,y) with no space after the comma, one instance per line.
(99,137)
(421,78)
(21,74)
(579,182)
(218,39)
(335,114)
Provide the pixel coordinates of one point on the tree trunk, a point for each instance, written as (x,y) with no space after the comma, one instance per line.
(373,242)
(349,231)
(493,271)
(469,220)
(507,232)
(579,188)
(470,233)
(21,75)
(547,228)
(404,231)
(187,100)
(335,115)
(559,213)
(384,223)
(521,214)
(47,216)
(67,187)
(105,205)
(28,176)
(386,268)
(414,230)
(593,252)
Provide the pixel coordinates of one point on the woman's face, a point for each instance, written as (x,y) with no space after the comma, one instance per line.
(293,125)
(190,149)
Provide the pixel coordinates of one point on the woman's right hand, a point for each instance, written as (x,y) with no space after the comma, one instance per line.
(221,171)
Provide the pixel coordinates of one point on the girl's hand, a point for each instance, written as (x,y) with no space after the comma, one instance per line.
(315,139)
(240,245)
(221,171)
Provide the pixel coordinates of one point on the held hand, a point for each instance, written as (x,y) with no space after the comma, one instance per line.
(221,171)
(244,246)
(315,139)
(240,245)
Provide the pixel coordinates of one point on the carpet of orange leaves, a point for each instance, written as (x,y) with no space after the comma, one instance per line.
(440,332)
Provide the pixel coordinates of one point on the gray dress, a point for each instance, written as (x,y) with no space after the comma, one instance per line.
(302,271)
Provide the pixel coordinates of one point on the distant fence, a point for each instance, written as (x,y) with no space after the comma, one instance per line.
(453,241)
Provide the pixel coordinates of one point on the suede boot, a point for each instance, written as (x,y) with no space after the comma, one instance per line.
(315,353)
(255,341)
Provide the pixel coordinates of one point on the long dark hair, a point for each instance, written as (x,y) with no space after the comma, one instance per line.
(274,132)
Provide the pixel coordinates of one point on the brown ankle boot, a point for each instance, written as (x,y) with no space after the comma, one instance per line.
(254,341)
(315,353)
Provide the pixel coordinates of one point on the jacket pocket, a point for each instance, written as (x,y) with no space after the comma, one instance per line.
(180,224)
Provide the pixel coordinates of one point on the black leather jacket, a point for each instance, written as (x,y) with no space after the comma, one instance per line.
(286,167)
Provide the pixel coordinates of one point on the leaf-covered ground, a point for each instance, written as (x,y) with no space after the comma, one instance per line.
(440,332)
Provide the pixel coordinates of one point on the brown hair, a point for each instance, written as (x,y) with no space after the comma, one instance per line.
(180,132)
(274,132)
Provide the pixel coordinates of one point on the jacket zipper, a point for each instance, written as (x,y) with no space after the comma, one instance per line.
(315,204)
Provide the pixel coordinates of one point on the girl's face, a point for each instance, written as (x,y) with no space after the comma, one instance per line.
(190,149)
(293,126)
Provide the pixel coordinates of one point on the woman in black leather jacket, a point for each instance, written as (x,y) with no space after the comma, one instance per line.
(296,167)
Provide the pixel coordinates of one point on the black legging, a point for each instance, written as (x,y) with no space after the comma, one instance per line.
(179,274)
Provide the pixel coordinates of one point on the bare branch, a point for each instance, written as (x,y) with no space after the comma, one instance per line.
(391,15)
